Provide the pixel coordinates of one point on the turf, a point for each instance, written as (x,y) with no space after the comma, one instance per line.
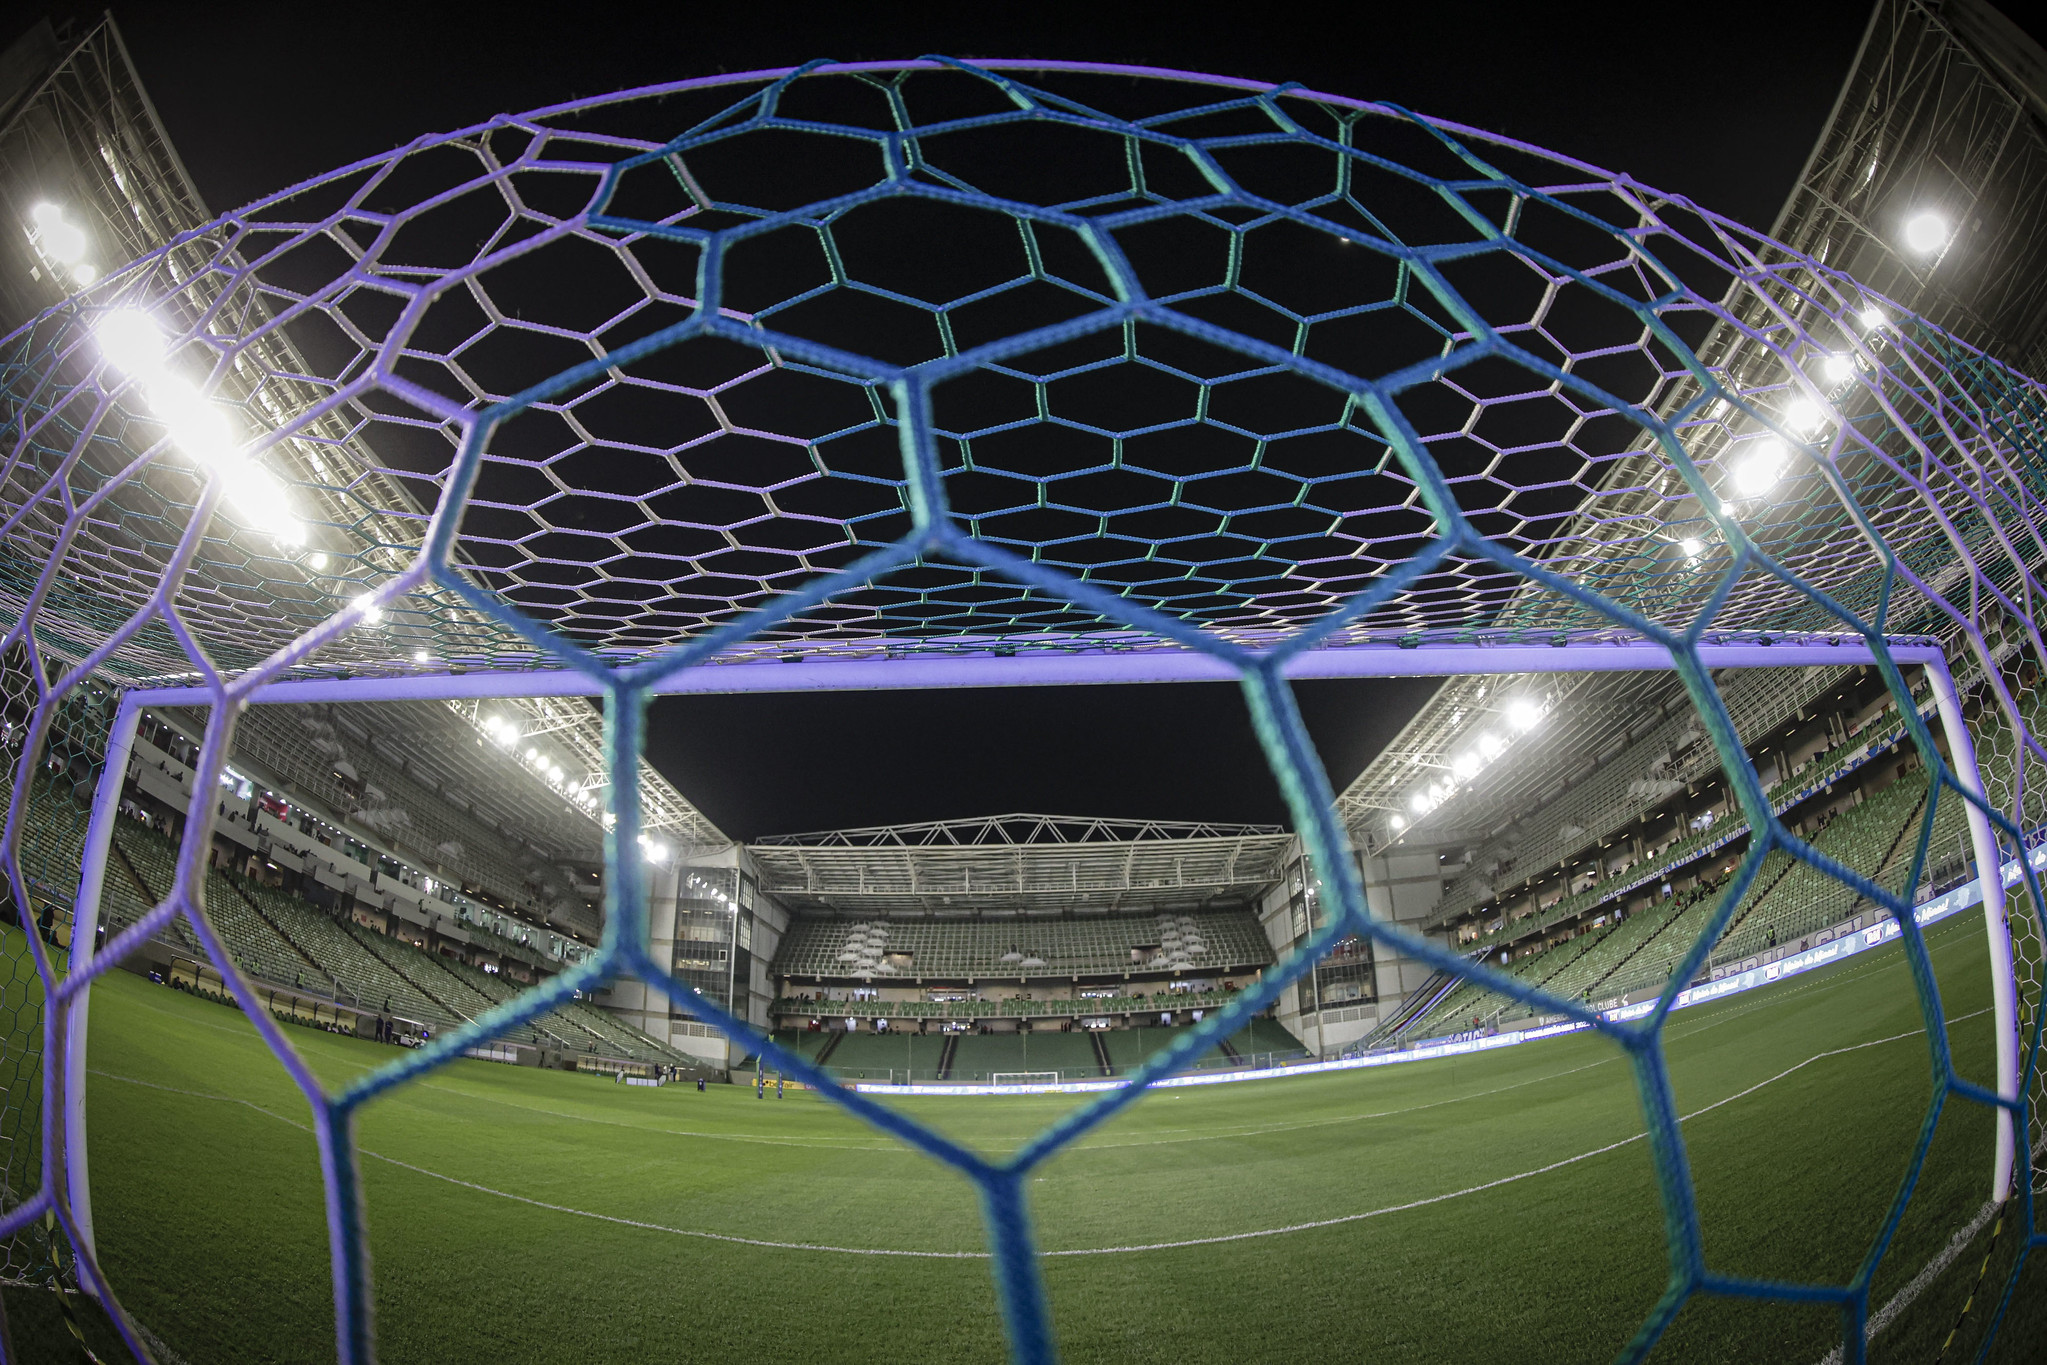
(209,1218)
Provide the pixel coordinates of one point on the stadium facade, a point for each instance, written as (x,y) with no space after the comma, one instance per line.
(465,830)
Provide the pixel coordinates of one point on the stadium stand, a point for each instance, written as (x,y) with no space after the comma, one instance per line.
(1878,828)
(1204,941)
(281,939)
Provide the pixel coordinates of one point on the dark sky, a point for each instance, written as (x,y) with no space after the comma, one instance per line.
(256,97)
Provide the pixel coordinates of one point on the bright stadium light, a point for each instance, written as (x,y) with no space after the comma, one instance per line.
(133,344)
(1803,415)
(317,561)
(1758,471)
(1523,714)
(1399,822)
(420,656)
(1873,318)
(1491,745)
(1419,803)
(60,237)
(1837,368)
(1466,766)
(62,242)
(1692,547)
(1926,233)
(371,612)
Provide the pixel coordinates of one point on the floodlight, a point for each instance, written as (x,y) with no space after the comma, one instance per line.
(1802,415)
(1926,233)
(1757,472)
(85,272)
(317,561)
(1872,318)
(1837,368)
(1398,822)
(371,612)
(420,656)
(1692,546)
(1419,802)
(1523,714)
(131,341)
(65,241)
(1465,765)
(1491,745)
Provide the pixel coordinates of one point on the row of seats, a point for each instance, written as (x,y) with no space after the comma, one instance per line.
(1787,900)
(281,938)
(1004,1009)
(1208,940)
(1667,860)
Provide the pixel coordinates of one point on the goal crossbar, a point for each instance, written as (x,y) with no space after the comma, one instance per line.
(1024,1077)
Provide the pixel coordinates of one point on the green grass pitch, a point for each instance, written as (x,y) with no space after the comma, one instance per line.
(520,1215)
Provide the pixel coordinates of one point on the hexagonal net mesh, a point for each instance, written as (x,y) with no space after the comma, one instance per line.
(911,358)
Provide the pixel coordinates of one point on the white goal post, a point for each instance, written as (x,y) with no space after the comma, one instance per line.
(1144,666)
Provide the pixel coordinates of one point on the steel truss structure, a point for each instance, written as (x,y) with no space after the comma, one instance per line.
(1255,383)
(1019,865)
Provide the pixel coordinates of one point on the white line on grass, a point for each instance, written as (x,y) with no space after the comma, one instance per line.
(1928,1273)
(1074,1251)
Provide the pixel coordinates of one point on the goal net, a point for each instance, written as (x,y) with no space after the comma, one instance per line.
(1177,378)
(1025,1077)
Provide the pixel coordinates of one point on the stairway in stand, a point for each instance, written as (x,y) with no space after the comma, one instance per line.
(952,1045)
(1101,1052)
(831,1045)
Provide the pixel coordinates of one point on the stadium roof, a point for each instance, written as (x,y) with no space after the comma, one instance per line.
(1020,865)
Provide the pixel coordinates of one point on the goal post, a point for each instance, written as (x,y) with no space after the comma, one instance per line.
(1159,666)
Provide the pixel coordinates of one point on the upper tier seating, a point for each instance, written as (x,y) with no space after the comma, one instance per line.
(1203,941)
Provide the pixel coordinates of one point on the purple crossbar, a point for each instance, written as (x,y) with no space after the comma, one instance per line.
(1050,669)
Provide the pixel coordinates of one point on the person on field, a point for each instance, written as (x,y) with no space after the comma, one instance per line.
(700,1085)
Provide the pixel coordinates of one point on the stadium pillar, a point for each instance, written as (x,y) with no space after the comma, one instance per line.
(1990,874)
(99,838)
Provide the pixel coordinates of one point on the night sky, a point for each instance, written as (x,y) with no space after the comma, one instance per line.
(1687,99)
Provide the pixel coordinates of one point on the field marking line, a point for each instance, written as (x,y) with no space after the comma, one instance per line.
(1075,1251)
(1928,1273)
(1919,1284)
(1503,1180)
